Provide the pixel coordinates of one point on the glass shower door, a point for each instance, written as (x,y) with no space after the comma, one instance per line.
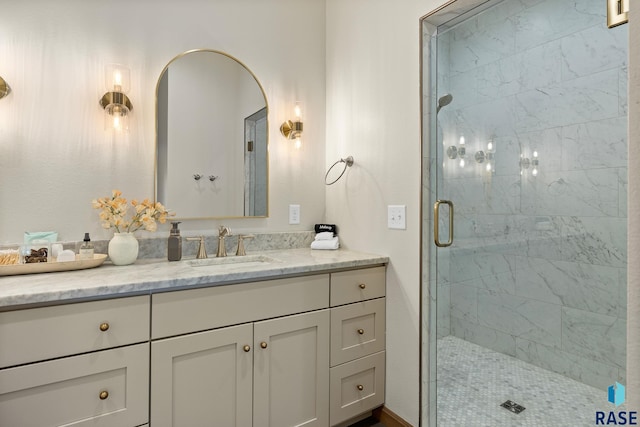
(527,141)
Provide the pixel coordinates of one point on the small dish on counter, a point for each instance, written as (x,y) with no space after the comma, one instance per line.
(52,266)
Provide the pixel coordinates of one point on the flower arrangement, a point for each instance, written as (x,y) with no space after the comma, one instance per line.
(114,210)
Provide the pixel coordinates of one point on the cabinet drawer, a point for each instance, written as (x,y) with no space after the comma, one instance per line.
(357,285)
(71,391)
(357,387)
(181,312)
(357,330)
(44,333)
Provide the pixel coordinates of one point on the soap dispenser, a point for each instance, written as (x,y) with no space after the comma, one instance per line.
(174,246)
(86,249)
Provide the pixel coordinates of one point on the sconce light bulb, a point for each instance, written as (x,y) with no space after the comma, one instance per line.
(534,172)
(461,139)
(490,146)
(297,111)
(461,163)
(298,143)
(489,167)
(117,79)
(535,154)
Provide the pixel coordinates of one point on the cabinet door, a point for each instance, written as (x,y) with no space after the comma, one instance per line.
(203,379)
(291,371)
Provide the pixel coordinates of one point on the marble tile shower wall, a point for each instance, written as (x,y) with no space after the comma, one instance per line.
(538,270)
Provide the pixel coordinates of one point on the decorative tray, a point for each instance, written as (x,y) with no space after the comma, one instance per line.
(49,267)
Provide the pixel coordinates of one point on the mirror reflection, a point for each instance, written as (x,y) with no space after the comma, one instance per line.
(212,137)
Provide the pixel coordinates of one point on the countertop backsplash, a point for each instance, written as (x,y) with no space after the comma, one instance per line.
(156,247)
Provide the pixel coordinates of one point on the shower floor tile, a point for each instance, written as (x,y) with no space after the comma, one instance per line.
(474,381)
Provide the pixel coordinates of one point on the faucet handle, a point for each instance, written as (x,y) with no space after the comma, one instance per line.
(240,251)
(202,250)
(223,231)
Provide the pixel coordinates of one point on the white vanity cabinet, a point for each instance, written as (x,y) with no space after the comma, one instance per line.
(357,373)
(306,351)
(76,364)
(303,350)
(270,369)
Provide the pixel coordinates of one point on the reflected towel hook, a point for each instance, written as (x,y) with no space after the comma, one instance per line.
(348,162)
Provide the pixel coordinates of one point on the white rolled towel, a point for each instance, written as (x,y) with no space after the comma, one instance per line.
(325,235)
(332,243)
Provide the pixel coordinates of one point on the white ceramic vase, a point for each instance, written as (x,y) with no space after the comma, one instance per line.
(123,248)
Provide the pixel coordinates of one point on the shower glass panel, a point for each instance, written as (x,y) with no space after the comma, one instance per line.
(525,133)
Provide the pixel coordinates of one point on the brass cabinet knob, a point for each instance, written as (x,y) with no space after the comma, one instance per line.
(246,348)
(362,286)
(104,395)
(263,344)
(361,331)
(104,327)
(360,387)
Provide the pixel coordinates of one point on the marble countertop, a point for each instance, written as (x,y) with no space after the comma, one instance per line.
(149,275)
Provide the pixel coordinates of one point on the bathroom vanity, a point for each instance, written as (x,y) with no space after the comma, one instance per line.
(293,338)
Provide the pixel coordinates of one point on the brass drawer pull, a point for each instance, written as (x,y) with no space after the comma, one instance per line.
(360,387)
(362,286)
(361,331)
(104,327)
(104,395)
(263,344)
(246,348)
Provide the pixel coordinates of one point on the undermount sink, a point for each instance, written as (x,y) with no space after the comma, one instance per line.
(234,261)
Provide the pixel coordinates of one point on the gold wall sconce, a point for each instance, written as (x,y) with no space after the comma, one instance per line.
(115,102)
(617,12)
(293,129)
(4,88)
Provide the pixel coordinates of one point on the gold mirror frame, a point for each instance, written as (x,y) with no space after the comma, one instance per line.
(157,123)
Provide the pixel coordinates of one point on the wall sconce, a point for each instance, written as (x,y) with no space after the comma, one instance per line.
(459,151)
(617,12)
(482,156)
(293,129)
(4,88)
(116,104)
(525,162)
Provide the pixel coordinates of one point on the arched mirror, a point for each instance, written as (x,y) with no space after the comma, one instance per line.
(211,138)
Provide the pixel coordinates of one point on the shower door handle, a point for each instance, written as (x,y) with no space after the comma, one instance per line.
(436,223)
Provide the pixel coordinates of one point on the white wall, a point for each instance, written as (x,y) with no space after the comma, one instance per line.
(373,114)
(55,156)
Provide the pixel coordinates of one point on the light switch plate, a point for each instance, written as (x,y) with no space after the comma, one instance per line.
(294,214)
(396,217)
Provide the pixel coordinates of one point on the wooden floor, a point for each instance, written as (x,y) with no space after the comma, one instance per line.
(369,422)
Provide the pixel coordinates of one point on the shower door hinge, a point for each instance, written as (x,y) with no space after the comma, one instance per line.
(617,12)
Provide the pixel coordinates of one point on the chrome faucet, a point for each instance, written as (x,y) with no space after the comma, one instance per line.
(223,232)
(202,251)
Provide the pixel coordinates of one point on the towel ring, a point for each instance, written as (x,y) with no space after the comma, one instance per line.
(348,162)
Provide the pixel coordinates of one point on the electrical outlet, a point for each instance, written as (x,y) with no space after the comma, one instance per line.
(396,217)
(294,214)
